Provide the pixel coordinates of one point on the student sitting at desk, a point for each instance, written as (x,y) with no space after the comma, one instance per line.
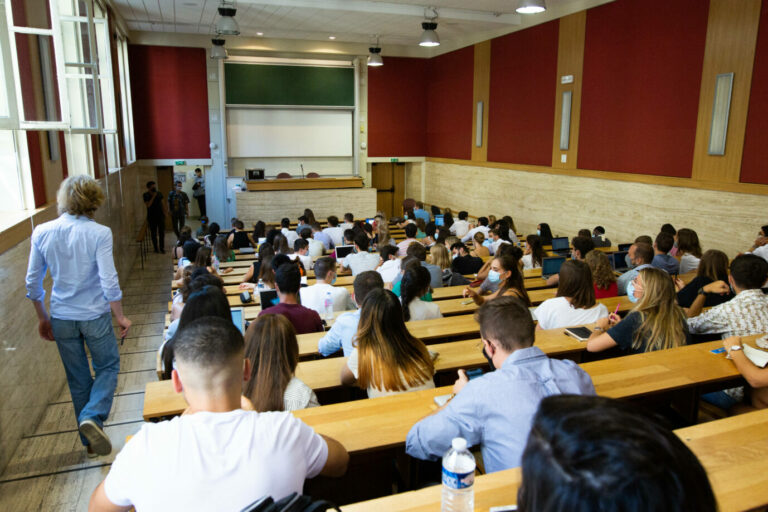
(496,409)
(602,274)
(349,221)
(415,284)
(239,238)
(420,213)
(545,233)
(712,267)
(361,260)
(419,252)
(319,235)
(266,454)
(606,455)
(441,258)
(313,296)
(410,237)
(301,253)
(463,262)
(285,229)
(482,227)
(574,303)
(760,247)
(430,235)
(599,238)
(389,263)
(334,231)
(460,227)
(272,350)
(507,279)
(496,237)
(314,247)
(534,253)
(478,249)
(655,323)
(688,250)
(662,246)
(386,359)
(343,330)
(640,255)
(287,283)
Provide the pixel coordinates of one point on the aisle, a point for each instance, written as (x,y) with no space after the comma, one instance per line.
(49,470)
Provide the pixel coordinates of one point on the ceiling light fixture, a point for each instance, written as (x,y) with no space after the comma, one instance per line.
(217,50)
(374,55)
(259,34)
(332,38)
(226,23)
(429,37)
(531,6)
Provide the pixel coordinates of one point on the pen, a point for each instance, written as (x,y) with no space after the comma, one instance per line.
(617,309)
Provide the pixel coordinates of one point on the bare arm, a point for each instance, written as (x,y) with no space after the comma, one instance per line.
(338,458)
(756,377)
(44,323)
(347,377)
(720,287)
(100,503)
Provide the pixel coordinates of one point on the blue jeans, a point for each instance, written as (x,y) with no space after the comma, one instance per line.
(91,397)
(720,399)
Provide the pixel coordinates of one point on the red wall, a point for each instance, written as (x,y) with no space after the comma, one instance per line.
(449,104)
(754,161)
(169,88)
(642,75)
(522,101)
(396,108)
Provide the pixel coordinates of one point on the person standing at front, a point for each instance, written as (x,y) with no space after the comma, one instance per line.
(156,211)
(199,191)
(178,202)
(78,252)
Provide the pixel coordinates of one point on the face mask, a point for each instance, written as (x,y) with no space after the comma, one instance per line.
(631,292)
(538,232)
(406,217)
(487,358)
(494,276)
(333,281)
(454,256)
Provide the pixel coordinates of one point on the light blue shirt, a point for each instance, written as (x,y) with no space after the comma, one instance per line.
(323,237)
(496,410)
(627,277)
(78,252)
(422,214)
(667,263)
(341,335)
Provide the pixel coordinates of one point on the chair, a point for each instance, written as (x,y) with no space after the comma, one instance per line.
(283,176)
(313,175)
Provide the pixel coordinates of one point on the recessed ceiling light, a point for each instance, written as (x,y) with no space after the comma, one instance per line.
(259,33)
(332,38)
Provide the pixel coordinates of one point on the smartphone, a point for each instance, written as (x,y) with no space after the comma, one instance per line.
(467,302)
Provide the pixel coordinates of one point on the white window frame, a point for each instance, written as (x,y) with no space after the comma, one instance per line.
(55,35)
(125,99)
(10,122)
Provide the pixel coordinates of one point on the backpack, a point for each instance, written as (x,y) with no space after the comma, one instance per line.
(294,502)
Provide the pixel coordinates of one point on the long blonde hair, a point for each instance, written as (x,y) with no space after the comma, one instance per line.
(79,195)
(389,357)
(440,256)
(382,230)
(663,322)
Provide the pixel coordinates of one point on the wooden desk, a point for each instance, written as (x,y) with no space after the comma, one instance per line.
(160,399)
(303,183)
(732,450)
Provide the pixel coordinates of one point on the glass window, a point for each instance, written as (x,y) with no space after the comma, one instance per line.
(7,89)
(126,105)
(11,197)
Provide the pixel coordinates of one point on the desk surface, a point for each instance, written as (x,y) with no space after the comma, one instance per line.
(732,450)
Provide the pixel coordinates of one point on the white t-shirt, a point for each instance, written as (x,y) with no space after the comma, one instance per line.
(305,260)
(471,233)
(361,261)
(215,461)
(688,263)
(495,245)
(290,236)
(459,228)
(422,310)
(528,262)
(335,234)
(557,312)
(389,270)
(313,297)
(315,248)
(352,364)
(298,395)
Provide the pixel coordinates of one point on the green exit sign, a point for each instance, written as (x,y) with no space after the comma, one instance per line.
(181,162)
(393,160)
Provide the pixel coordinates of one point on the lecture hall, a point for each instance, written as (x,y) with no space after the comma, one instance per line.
(364,255)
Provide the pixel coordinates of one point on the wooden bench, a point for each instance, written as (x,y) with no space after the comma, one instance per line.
(732,451)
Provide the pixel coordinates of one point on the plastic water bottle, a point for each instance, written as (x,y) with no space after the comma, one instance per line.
(260,286)
(328,305)
(458,478)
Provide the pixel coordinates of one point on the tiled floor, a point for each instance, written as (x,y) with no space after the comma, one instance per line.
(49,469)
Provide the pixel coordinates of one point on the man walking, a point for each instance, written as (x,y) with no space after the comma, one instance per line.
(199,191)
(78,252)
(178,202)
(156,211)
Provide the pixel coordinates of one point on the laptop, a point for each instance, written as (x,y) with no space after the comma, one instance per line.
(268,298)
(619,261)
(370,221)
(551,266)
(342,251)
(560,245)
(624,247)
(440,220)
(238,318)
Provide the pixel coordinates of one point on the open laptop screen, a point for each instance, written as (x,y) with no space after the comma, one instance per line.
(560,244)
(439,220)
(238,318)
(342,251)
(551,266)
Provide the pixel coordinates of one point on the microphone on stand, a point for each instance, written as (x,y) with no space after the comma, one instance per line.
(302,170)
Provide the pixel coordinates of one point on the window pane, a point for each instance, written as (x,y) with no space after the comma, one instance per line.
(10,184)
(82,107)
(31,13)
(5,83)
(37,72)
(79,153)
(77,48)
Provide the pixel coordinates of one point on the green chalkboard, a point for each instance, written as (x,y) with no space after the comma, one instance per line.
(260,84)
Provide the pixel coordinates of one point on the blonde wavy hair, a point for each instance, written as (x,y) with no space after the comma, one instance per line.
(663,321)
(600,265)
(79,195)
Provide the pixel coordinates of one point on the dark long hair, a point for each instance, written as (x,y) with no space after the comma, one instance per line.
(273,351)
(259,230)
(546,234)
(537,252)
(515,280)
(414,284)
(576,283)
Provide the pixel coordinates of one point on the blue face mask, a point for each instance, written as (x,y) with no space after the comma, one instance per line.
(494,276)
(631,292)
(538,232)
(333,281)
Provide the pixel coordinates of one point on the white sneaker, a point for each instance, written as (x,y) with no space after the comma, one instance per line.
(97,438)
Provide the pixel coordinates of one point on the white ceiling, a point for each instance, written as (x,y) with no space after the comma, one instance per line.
(398,22)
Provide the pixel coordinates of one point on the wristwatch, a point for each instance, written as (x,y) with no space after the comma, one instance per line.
(734,347)
(701,291)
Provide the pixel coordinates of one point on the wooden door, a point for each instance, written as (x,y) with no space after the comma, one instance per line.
(164,186)
(389,181)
